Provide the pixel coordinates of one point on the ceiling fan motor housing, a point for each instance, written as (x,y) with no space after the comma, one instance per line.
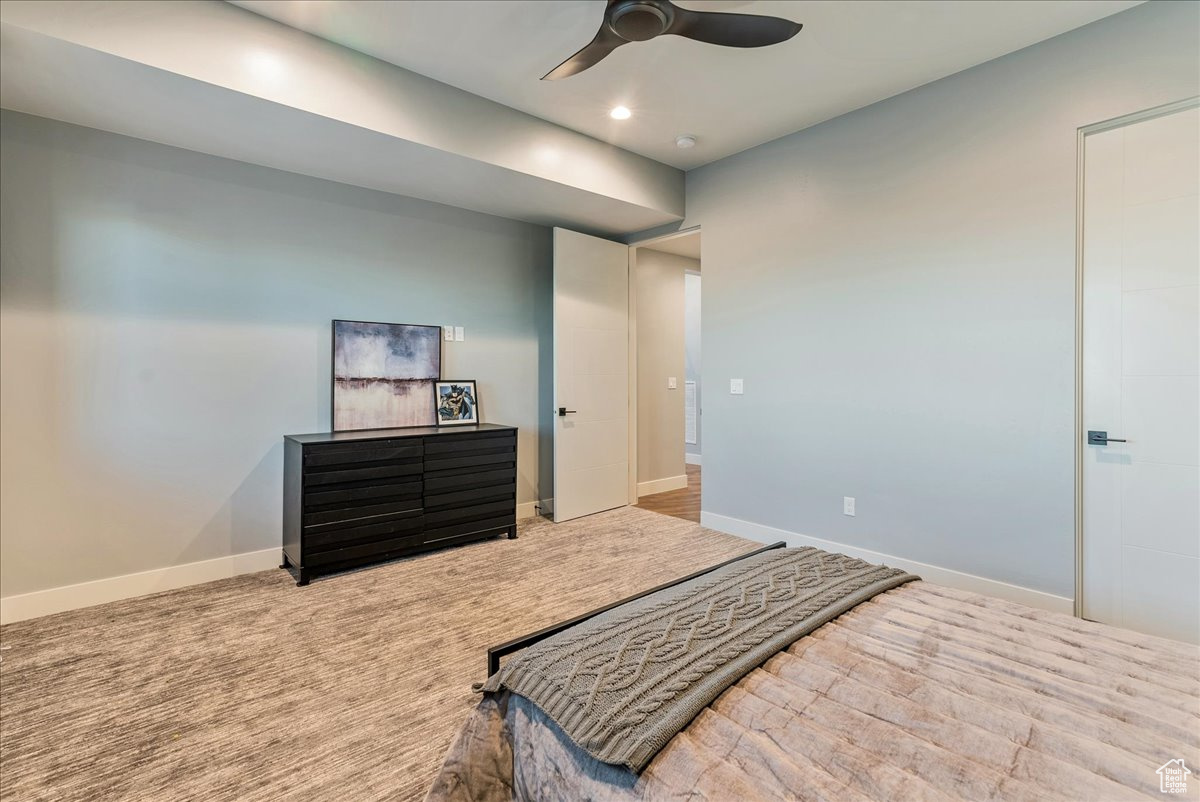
(639,20)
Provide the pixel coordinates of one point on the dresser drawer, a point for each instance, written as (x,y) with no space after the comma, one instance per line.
(470,513)
(460,480)
(380,452)
(454,531)
(380,549)
(458,463)
(369,444)
(469,443)
(394,526)
(319,498)
(471,496)
(357,516)
(458,521)
(361,473)
(463,452)
(475,496)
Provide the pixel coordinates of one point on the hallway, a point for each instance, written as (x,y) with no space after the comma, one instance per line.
(683,503)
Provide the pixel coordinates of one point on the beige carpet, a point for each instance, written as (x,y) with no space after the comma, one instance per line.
(349,689)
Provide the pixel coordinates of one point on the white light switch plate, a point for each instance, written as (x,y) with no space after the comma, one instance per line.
(448,333)
(735,387)
(848,505)
(672,384)
(458,334)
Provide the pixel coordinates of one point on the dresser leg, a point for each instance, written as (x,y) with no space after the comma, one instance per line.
(512,532)
(286,564)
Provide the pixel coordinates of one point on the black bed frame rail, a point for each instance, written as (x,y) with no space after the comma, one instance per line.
(496,652)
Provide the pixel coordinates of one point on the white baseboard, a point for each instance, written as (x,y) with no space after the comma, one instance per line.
(100,591)
(933,573)
(661,485)
(691,459)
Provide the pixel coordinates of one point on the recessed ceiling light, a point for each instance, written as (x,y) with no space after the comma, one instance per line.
(620,113)
(685,141)
(264,65)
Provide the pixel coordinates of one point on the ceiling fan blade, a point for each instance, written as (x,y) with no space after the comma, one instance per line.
(606,41)
(732,30)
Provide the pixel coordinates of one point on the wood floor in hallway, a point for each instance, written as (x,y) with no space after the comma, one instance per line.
(683,503)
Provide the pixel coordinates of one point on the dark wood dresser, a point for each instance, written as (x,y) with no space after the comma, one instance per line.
(355,498)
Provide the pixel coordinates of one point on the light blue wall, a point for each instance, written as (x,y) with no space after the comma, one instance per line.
(691,345)
(164,321)
(896,288)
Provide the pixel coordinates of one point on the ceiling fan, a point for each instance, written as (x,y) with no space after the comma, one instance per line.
(628,21)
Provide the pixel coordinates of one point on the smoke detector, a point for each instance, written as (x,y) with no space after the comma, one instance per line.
(685,141)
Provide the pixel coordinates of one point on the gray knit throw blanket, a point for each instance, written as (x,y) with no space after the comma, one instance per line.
(622,684)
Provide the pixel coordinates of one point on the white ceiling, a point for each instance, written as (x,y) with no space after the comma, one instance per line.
(681,245)
(849,55)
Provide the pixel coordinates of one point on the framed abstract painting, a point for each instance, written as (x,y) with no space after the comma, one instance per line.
(383,374)
(457,402)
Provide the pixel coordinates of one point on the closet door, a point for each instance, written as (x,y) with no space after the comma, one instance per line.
(1141,363)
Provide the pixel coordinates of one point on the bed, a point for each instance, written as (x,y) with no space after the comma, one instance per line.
(800,674)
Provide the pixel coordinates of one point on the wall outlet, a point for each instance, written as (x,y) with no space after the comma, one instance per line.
(848,505)
(448,333)
(672,384)
(459,335)
(735,387)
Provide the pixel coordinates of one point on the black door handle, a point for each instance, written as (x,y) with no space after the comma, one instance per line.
(564,411)
(1102,439)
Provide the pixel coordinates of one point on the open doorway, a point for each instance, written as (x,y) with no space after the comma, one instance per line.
(666,357)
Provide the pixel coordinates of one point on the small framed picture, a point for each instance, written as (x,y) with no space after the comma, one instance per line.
(456,401)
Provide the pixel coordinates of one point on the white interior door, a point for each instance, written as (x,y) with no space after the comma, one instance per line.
(591,374)
(1141,361)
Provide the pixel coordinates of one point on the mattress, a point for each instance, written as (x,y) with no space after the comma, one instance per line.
(922,692)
